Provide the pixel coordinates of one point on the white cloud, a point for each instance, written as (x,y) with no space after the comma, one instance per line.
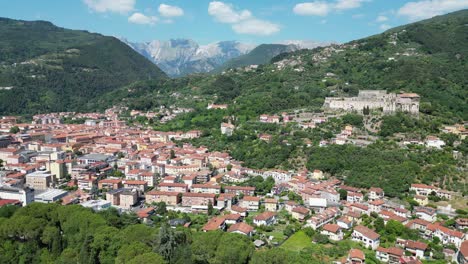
(139,18)
(348,4)
(316,8)
(113,6)
(256,27)
(429,8)
(170,11)
(381,18)
(225,13)
(242,21)
(322,8)
(385,27)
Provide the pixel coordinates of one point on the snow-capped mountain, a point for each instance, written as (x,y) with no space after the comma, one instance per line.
(179,57)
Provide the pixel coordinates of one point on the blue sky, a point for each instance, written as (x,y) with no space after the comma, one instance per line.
(255,21)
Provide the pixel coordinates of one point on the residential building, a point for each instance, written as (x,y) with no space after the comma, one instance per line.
(241,228)
(266,218)
(366,236)
(170,198)
(332,231)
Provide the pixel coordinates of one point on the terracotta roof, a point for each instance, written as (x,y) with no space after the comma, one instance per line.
(369,233)
(213,224)
(334,228)
(264,216)
(415,245)
(239,209)
(464,249)
(251,198)
(241,227)
(232,216)
(301,210)
(4,202)
(205,195)
(271,200)
(155,192)
(356,254)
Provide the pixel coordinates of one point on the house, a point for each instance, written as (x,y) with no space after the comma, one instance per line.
(332,231)
(289,206)
(198,199)
(376,194)
(356,256)
(252,203)
(225,200)
(205,188)
(344,222)
(366,236)
(271,204)
(227,129)
(354,197)
(215,223)
(390,255)
(359,208)
(173,187)
(232,218)
(266,218)
(110,184)
(237,190)
(462,255)
(426,213)
(376,205)
(241,228)
(434,142)
(139,185)
(415,247)
(300,213)
(239,210)
(446,235)
(421,200)
(170,198)
(422,189)
(323,218)
(461,223)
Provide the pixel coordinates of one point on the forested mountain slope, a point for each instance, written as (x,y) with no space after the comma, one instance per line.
(46,68)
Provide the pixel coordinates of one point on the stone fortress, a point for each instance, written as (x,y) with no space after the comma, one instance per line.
(375,99)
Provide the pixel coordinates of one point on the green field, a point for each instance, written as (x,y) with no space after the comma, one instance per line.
(297,242)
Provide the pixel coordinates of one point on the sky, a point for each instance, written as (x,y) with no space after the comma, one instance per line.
(251,21)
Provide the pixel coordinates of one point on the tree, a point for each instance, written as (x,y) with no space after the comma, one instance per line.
(172,155)
(210,208)
(166,242)
(146,258)
(343,194)
(14,130)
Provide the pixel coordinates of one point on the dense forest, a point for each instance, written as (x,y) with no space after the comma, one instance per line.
(51,233)
(44,68)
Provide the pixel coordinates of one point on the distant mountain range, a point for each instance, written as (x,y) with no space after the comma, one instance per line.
(179,57)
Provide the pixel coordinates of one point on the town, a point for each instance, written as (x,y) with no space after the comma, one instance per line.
(104,162)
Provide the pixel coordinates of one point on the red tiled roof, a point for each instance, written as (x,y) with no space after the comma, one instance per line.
(4,202)
(356,254)
(155,192)
(369,233)
(334,228)
(264,216)
(241,227)
(213,224)
(239,209)
(415,245)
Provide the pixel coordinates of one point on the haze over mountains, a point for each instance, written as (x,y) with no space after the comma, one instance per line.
(179,57)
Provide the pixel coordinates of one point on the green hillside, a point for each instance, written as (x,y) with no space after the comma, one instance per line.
(46,68)
(259,55)
(428,57)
